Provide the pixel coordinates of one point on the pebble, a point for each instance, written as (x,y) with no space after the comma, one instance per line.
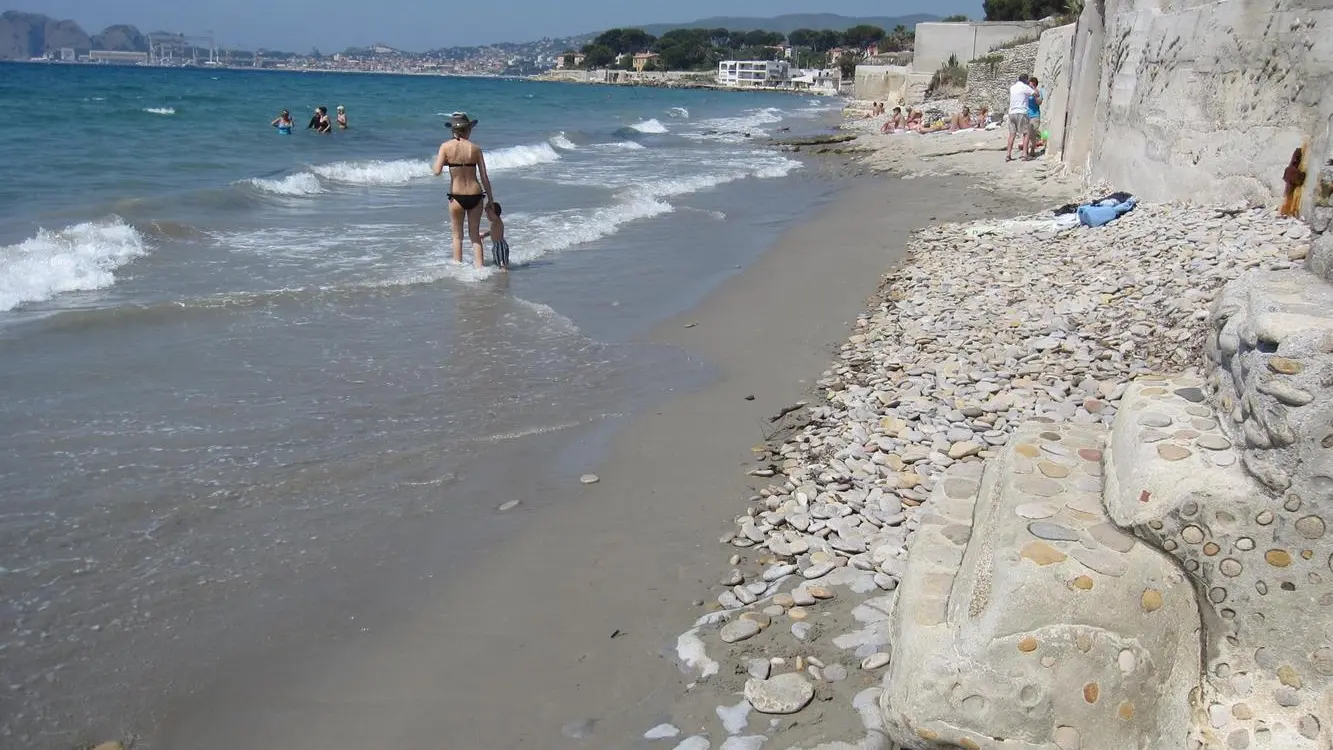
(760,668)
(835,673)
(784,694)
(590,479)
(875,661)
(943,367)
(817,571)
(739,630)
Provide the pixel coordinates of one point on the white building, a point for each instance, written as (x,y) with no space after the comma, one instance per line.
(754,73)
(824,82)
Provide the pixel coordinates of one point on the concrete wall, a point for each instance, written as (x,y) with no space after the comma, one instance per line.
(1203,100)
(886,83)
(935,42)
(1054,66)
(988,82)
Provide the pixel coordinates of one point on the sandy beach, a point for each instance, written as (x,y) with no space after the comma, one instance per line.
(566,635)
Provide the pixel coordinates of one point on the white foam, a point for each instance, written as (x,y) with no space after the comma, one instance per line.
(517,157)
(619,146)
(734,718)
(693,654)
(560,231)
(398,172)
(679,112)
(561,142)
(160,110)
(302,183)
(734,129)
(76,258)
(652,126)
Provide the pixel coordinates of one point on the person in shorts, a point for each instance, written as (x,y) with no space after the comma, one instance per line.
(1019,95)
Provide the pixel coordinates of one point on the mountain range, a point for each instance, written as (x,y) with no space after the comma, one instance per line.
(28,35)
(788,23)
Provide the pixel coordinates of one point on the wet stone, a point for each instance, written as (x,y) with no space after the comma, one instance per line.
(1053,532)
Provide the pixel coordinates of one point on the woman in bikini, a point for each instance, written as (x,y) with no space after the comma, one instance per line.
(469,185)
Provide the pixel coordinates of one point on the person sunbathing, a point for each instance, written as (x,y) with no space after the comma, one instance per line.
(894,123)
(983,118)
(961,121)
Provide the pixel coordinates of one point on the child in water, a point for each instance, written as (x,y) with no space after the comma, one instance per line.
(499,248)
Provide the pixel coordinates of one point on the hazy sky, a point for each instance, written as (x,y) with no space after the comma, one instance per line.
(332,25)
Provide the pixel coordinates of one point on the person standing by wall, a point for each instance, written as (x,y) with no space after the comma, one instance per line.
(1034,117)
(1019,93)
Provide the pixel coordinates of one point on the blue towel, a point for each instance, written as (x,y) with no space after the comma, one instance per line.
(1096,216)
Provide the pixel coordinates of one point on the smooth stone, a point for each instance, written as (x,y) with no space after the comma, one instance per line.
(508,506)
(745,595)
(590,479)
(760,668)
(1040,486)
(964,449)
(1112,537)
(734,578)
(835,673)
(1213,442)
(802,598)
(1042,553)
(759,617)
(817,571)
(774,610)
(1286,393)
(1036,511)
(801,630)
(1152,419)
(1102,561)
(798,613)
(1052,532)
(739,630)
(784,694)
(784,600)
(1193,395)
(778,571)
(1054,471)
(820,592)
(1285,366)
(875,661)
(1173,452)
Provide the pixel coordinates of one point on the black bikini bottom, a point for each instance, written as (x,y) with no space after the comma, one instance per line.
(466,200)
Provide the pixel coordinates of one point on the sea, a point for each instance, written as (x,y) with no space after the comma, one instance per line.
(240,369)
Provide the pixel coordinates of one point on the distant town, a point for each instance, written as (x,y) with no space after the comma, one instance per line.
(804,58)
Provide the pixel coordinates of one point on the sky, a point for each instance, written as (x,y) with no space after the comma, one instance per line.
(418,25)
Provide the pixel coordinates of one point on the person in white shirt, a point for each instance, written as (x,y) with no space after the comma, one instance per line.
(1019,94)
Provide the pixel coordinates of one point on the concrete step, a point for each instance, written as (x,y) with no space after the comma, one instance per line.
(1025,619)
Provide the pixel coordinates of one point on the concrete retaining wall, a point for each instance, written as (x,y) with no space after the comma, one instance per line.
(1054,65)
(1200,100)
(935,42)
(988,82)
(886,83)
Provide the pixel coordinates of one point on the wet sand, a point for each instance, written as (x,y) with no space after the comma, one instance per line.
(563,635)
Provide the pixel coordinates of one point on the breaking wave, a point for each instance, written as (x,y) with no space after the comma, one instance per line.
(77,258)
(302,183)
(651,127)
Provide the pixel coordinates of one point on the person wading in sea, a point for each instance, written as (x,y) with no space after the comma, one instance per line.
(469,185)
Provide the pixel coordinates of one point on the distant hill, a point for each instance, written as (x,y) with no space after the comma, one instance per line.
(27,35)
(791,22)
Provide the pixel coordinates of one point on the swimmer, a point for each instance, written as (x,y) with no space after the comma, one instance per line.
(342,118)
(320,122)
(283,122)
(499,248)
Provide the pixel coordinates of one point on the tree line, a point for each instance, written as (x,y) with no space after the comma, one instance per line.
(702,49)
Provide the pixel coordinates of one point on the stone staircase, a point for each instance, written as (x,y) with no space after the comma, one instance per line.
(1164,584)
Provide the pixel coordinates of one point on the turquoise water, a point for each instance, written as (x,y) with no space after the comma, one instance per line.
(237,365)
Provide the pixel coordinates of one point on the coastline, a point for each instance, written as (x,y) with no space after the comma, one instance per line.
(564,636)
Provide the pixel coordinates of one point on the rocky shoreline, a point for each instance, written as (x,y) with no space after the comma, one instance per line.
(985,326)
